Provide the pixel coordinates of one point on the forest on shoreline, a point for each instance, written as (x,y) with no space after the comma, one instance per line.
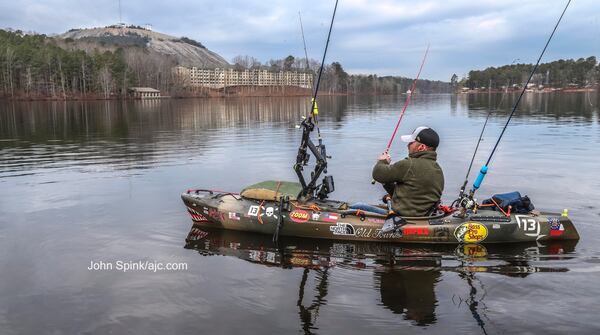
(34,66)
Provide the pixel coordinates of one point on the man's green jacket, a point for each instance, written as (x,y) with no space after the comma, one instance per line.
(416,182)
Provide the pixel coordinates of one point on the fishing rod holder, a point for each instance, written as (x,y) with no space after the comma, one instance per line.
(309,189)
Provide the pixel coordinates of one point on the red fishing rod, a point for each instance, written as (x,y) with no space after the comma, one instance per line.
(412,89)
(410,93)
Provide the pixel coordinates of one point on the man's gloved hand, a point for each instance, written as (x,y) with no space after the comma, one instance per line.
(385,198)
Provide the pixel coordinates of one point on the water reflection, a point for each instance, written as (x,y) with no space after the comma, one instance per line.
(570,107)
(405,275)
(144,134)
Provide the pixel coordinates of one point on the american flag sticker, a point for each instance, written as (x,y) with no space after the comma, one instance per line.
(329,217)
(234,216)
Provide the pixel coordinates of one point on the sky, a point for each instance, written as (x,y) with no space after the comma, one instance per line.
(383,37)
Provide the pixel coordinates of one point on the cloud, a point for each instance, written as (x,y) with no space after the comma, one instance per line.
(382,37)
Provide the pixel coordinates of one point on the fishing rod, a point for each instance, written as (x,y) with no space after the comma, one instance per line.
(411,90)
(315,109)
(484,168)
(464,186)
(304,42)
(308,125)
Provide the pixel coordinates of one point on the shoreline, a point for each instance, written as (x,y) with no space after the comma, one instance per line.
(544,90)
(221,95)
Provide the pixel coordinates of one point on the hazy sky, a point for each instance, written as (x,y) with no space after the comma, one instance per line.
(386,37)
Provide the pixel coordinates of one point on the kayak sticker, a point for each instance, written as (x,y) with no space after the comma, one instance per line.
(215,214)
(342,229)
(261,211)
(299,215)
(316,216)
(234,216)
(253,211)
(441,233)
(269,211)
(197,217)
(471,232)
(529,225)
(556,228)
(330,217)
(415,231)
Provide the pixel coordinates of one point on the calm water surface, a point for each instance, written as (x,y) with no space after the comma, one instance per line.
(100,182)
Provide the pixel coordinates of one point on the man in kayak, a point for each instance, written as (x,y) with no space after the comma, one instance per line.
(415,184)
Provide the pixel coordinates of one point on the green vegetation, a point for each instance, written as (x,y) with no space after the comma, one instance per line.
(191,42)
(557,74)
(337,81)
(33,65)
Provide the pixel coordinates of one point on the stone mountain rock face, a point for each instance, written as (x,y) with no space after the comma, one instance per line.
(187,52)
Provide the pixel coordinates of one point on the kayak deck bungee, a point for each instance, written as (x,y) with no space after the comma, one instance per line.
(330,219)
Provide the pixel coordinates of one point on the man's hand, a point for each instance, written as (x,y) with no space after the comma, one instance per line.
(385,157)
(385,198)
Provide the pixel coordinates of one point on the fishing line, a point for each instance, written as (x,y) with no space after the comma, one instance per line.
(484,168)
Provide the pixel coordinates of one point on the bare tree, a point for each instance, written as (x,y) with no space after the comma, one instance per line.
(10,57)
(106,81)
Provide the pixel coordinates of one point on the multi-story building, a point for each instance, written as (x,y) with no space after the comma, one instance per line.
(219,77)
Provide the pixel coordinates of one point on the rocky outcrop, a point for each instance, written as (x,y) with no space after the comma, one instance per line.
(185,51)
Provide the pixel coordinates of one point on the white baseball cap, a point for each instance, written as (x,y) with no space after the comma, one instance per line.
(423,135)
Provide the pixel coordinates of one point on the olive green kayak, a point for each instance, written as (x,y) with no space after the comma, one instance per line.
(330,219)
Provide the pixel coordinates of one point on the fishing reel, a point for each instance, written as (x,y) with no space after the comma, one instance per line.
(467,203)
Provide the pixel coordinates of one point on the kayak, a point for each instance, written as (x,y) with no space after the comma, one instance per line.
(283,215)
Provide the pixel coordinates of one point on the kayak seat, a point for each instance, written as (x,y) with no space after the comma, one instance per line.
(272,190)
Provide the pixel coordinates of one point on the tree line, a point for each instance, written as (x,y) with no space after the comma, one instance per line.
(335,80)
(39,66)
(33,65)
(557,74)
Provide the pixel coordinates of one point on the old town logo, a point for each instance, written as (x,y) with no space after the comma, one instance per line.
(299,215)
(471,232)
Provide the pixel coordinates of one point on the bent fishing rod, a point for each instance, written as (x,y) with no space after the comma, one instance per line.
(411,90)
(484,168)
(308,125)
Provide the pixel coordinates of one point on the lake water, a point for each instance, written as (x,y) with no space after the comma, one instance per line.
(85,182)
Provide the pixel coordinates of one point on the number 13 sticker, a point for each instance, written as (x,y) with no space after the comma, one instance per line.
(529,225)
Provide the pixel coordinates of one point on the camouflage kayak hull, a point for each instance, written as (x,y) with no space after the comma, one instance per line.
(325,219)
